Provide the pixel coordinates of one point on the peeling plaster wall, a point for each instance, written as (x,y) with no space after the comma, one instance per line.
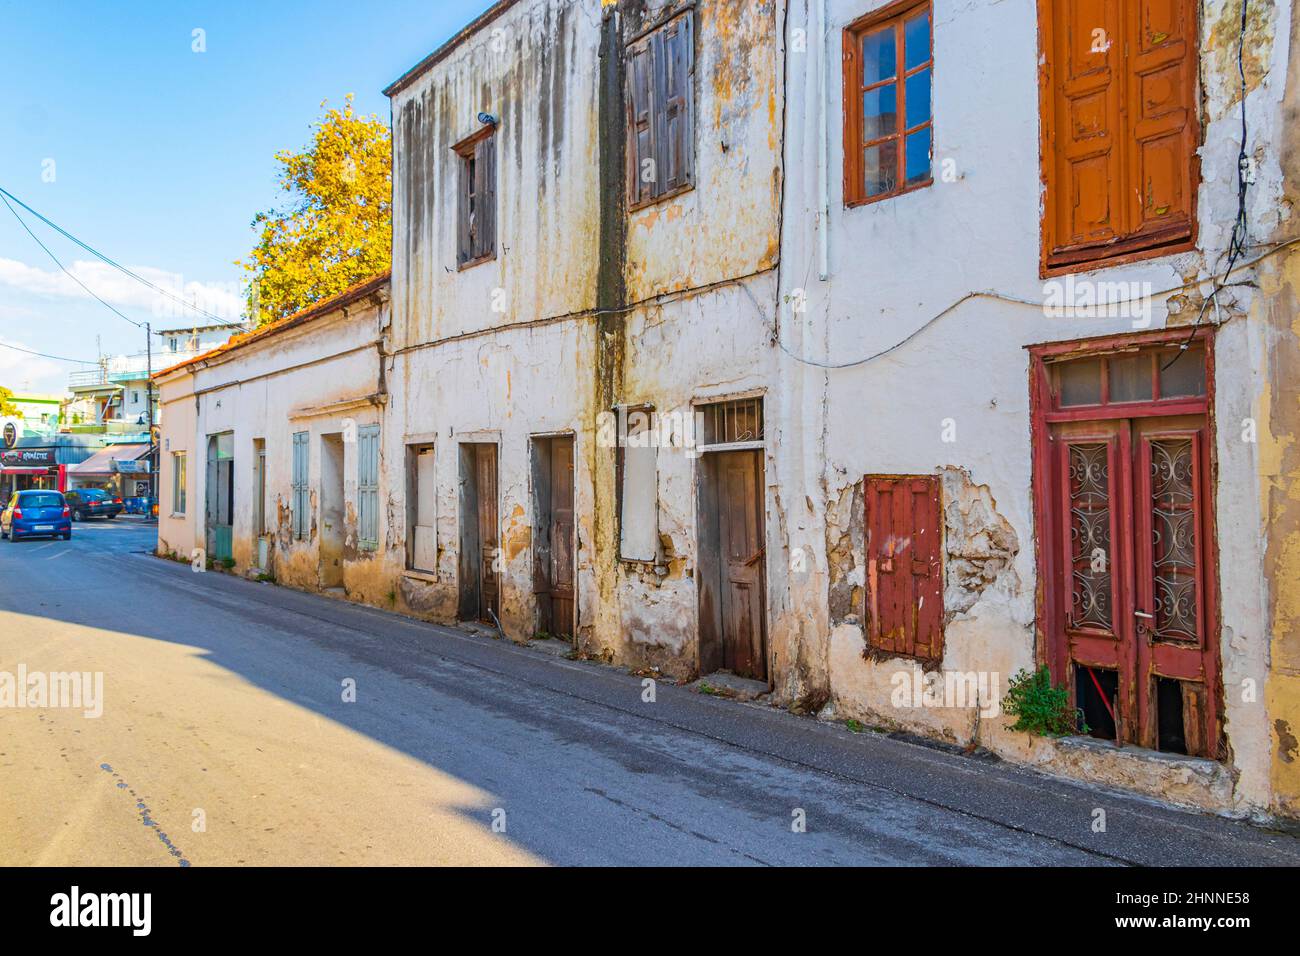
(1276,408)
(321,378)
(895,265)
(176,531)
(557,329)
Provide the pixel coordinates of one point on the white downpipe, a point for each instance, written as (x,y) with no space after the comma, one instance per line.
(823,154)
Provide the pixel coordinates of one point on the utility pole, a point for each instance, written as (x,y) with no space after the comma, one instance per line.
(153,445)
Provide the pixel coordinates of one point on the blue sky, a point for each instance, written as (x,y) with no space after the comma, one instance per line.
(161,155)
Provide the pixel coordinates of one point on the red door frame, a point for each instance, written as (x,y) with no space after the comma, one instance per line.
(1050,632)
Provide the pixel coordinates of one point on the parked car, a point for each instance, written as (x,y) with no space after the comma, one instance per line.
(92,503)
(36,514)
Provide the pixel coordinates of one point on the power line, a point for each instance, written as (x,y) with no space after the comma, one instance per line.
(116,265)
(57,358)
(138,325)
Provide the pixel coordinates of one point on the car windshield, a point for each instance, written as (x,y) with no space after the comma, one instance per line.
(41,500)
(92,493)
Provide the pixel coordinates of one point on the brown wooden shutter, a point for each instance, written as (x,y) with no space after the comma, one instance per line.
(1085,181)
(485,166)
(463,249)
(676,144)
(904,587)
(1120,129)
(1162,75)
(640,118)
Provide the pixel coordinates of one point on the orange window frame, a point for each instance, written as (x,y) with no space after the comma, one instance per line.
(892,17)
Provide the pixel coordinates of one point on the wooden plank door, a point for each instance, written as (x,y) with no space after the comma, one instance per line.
(740,540)
(488,532)
(553,535)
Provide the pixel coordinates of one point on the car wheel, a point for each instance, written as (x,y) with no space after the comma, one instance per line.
(67,536)
(110,517)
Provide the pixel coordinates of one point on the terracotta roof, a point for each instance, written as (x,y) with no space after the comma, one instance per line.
(482,20)
(314,311)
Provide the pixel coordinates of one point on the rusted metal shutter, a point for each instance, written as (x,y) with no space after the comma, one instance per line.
(904,587)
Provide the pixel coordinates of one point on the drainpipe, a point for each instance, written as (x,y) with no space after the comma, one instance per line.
(823,153)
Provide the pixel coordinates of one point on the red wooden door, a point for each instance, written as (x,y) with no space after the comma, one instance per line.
(1133,525)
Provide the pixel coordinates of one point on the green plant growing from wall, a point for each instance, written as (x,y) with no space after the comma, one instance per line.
(1040,708)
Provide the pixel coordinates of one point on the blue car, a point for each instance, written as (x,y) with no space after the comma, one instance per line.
(36,514)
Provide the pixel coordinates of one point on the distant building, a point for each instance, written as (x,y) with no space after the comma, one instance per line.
(113,398)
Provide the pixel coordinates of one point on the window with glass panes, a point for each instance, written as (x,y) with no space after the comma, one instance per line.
(888,123)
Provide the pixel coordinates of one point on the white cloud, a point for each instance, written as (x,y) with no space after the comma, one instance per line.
(220,298)
(22,372)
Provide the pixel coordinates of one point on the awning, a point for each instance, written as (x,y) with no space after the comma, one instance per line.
(104,462)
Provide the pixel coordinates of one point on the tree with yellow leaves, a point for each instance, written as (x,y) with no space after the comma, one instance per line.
(338,228)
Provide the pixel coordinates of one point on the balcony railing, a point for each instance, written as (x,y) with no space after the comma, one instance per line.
(126,368)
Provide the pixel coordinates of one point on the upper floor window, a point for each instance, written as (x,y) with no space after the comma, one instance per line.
(1120,130)
(476,215)
(888,125)
(660,131)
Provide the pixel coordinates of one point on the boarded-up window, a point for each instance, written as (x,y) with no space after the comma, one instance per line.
(904,541)
(660,129)
(422,546)
(298,486)
(888,126)
(476,213)
(1120,128)
(368,487)
(638,538)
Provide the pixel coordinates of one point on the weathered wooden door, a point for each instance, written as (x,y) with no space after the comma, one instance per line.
(489,538)
(737,501)
(1132,506)
(553,535)
(480,537)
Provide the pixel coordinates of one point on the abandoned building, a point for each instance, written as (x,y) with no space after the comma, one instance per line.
(816,344)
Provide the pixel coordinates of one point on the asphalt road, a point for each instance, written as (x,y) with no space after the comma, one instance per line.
(225,739)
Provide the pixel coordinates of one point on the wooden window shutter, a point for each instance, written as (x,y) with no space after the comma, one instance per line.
(904,546)
(1162,76)
(485,168)
(1120,128)
(1085,181)
(675,67)
(640,120)
(464,251)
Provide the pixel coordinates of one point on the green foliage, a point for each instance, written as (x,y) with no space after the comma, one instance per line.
(855,726)
(337,229)
(1040,708)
